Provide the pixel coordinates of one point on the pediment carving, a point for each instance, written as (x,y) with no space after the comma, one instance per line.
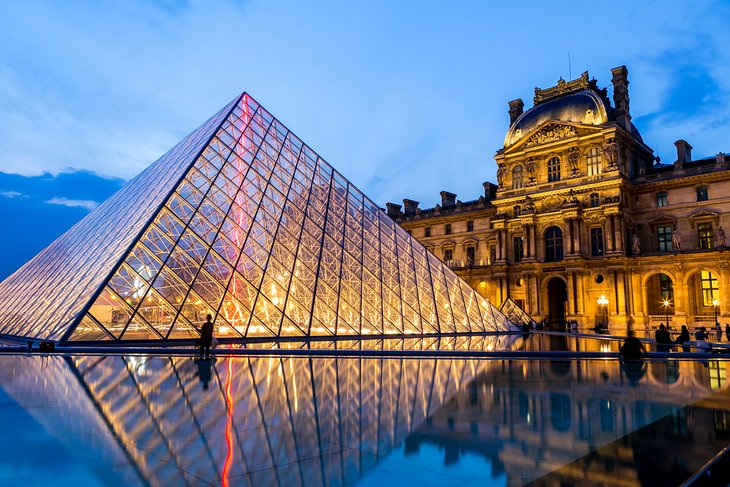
(554,131)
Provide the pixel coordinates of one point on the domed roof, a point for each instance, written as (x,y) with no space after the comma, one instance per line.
(584,106)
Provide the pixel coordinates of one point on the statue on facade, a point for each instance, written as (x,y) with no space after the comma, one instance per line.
(529,204)
(572,199)
(573,158)
(635,245)
(676,241)
(611,153)
(492,254)
(720,237)
(500,176)
(531,167)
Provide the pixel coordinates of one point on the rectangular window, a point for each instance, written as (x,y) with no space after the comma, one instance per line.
(448,255)
(702,193)
(553,169)
(661,198)
(597,241)
(518,247)
(593,161)
(595,200)
(470,256)
(448,229)
(705,236)
(427,232)
(664,234)
(470,226)
(666,290)
(710,291)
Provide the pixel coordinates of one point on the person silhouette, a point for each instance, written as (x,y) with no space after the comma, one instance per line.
(632,349)
(204,372)
(206,336)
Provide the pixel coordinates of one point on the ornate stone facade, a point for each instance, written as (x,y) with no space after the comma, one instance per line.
(585,214)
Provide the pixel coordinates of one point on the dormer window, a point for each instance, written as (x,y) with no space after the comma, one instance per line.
(702,194)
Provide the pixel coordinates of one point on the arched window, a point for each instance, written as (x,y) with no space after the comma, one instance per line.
(553,244)
(517,177)
(553,168)
(593,159)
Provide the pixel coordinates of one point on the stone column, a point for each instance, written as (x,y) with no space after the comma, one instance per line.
(581,298)
(612,232)
(619,234)
(500,245)
(621,292)
(571,236)
(571,293)
(528,241)
(533,240)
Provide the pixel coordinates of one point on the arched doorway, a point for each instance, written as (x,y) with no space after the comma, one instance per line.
(557,294)
(704,296)
(660,298)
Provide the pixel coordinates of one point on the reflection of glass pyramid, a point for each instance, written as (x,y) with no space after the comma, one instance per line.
(284,421)
(243,221)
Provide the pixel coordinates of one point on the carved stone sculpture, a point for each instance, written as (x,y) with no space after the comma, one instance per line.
(501,170)
(635,245)
(573,158)
(611,153)
(529,205)
(676,241)
(531,166)
(720,236)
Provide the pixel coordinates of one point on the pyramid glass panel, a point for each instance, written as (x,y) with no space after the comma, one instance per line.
(243,221)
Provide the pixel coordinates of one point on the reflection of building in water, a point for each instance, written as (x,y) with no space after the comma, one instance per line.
(532,418)
(262,421)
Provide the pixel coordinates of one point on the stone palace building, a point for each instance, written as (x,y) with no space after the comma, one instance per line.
(585,223)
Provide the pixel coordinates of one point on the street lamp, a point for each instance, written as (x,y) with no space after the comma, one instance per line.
(603,303)
(715,304)
(665,303)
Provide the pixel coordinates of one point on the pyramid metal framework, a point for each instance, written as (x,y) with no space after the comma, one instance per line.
(243,221)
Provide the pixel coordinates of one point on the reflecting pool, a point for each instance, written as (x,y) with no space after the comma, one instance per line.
(137,420)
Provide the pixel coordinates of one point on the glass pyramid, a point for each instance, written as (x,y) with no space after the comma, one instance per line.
(243,221)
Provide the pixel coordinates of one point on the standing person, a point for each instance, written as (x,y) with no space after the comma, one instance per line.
(206,336)
(718,331)
(683,338)
(663,341)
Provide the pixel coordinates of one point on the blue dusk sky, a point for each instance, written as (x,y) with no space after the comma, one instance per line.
(405,98)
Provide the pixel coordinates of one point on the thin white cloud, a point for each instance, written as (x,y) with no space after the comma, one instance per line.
(12,194)
(88,204)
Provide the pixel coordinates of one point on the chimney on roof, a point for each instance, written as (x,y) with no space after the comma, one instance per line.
(393,210)
(490,191)
(684,151)
(411,206)
(447,199)
(620,83)
(515,109)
